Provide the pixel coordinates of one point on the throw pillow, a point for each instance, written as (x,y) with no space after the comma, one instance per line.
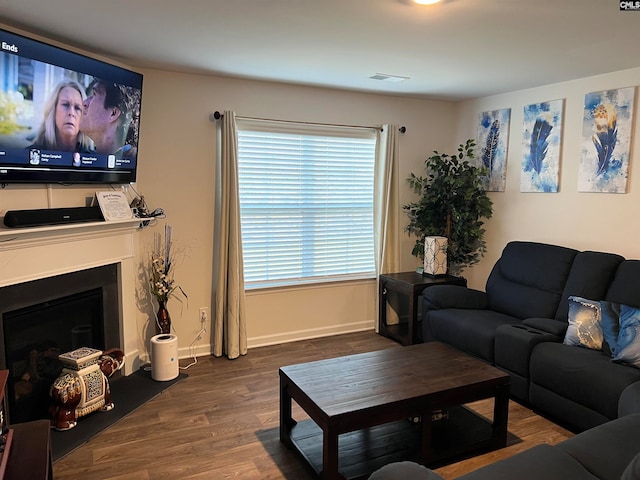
(585,326)
(610,313)
(628,346)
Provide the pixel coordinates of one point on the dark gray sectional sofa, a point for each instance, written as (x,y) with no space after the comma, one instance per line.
(606,452)
(534,295)
(519,323)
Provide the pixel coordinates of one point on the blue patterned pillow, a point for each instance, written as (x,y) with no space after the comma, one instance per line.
(628,346)
(610,313)
(585,326)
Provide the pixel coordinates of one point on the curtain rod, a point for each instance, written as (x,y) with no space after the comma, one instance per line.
(217,116)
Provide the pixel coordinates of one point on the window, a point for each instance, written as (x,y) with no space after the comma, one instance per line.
(306,202)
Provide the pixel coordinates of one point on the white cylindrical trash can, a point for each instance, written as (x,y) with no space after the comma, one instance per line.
(164,357)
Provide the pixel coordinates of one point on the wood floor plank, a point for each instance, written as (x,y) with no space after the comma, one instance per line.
(222,423)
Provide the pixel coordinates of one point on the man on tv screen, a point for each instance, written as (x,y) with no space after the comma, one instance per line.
(107,118)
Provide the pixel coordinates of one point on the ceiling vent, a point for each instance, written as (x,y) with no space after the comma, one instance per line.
(388,78)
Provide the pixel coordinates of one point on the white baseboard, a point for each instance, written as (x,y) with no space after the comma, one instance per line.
(196,351)
(266,340)
(297,335)
(132,363)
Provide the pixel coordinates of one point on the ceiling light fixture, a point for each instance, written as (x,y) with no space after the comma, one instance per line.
(426,2)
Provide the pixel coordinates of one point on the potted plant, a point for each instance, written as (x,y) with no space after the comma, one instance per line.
(452,204)
(161,278)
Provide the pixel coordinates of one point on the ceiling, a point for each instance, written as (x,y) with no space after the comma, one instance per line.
(455,50)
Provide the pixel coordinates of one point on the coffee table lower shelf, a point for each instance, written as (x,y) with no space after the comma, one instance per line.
(463,434)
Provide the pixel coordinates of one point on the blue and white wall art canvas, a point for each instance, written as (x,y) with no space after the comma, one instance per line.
(493,138)
(541,141)
(606,139)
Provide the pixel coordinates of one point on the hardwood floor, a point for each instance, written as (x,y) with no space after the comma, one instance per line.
(222,423)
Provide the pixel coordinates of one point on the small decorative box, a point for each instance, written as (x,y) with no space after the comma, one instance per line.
(80,358)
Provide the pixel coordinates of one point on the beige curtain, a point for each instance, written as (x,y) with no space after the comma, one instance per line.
(229,322)
(386,209)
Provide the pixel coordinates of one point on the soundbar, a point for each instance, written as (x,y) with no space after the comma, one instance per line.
(52,216)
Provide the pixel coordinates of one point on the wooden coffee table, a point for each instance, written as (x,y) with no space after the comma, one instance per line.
(359,408)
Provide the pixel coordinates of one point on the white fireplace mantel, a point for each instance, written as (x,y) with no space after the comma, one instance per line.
(24,237)
(33,253)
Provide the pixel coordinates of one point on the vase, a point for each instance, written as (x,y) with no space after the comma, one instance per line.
(435,255)
(163,323)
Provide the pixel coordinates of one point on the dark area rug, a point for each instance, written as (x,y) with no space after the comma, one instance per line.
(127,393)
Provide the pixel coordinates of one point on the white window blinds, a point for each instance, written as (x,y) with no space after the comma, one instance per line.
(306,202)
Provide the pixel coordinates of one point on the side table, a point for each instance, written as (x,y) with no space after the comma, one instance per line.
(410,284)
(30,454)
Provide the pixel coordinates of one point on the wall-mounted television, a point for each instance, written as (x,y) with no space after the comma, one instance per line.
(64,117)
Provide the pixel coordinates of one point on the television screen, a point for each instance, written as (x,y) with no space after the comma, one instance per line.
(64,117)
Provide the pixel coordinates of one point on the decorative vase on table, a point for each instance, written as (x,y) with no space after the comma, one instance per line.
(435,256)
(163,323)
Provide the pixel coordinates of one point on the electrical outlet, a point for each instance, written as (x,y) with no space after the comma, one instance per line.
(203,315)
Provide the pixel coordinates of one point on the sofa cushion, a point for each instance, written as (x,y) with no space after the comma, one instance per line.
(625,287)
(454,296)
(548,325)
(632,472)
(529,278)
(590,276)
(629,401)
(472,331)
(606,450)
(540,462)
(583,376)
(513,347)
(567,412)
(585,324)
(404,471)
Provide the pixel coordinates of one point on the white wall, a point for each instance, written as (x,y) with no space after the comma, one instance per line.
(177,148)
(176,172)
(585,221)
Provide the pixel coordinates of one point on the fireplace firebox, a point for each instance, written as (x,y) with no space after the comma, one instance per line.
(43,318)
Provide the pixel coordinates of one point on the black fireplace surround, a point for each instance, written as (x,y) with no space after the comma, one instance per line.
(43,318)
